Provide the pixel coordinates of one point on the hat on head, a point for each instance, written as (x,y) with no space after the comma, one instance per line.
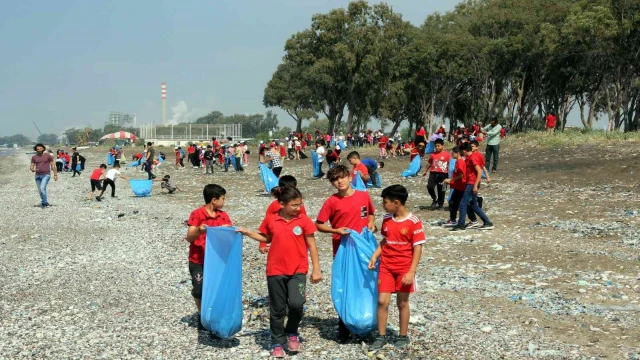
(176,148)
(421,144)
(261,142)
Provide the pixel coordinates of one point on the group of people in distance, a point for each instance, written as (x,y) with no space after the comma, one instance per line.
(215,154)
(73,163)
(286,234)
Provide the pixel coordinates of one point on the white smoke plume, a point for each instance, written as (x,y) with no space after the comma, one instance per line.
(180,112)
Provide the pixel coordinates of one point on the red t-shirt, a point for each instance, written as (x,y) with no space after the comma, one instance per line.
(471,161)
(551,121)
(288,254)
(460,168)
(138,156)
(359,168)
(273,209)
(216,144)
(283,151)
(440,162)
(382,142)
(401,236)
(96,174)
(350,211)
(421,132)
(198,217)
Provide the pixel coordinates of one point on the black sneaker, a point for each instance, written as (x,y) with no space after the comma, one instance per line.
(434,205)
(44,206)
(486,226)
(458,228)
(379,342)
(402,342)
(98,198)
(440,207)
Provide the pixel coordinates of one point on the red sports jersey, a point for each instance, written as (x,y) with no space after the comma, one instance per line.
(359,168)
(472,160)
(350,211)
(289,252)
(401,236)
(198,217)
(439,162)
(274,208)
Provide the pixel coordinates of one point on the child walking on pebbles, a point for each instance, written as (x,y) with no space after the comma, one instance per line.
(96,182)
(291,236)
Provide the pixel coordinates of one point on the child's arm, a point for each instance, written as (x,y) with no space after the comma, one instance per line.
(486,173)
(409,277)
(446,181)
(328,229)
(194,231)
(316,274)
(123,177)
(376,255)
(254,235)
(372,222)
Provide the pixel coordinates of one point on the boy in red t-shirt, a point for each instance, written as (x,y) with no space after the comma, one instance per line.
(346,210)
(210,214)
(358,167)
(438,172)
(382,145)
(551,123)
(292,239)
(96,182)
(399,254)
(457,183)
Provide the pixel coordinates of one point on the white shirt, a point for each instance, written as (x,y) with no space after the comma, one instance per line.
(320,152)
(111,174)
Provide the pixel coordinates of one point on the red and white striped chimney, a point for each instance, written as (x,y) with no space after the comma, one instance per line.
(163,89)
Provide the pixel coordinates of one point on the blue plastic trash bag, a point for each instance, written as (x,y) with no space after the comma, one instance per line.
(341,144)
(160,160)
(378,179)
(234,163)
(413,169)
(452,167)
(111,159)
(332,143)
(354,288)
(316,164)
(431,147)
(357,183)
(134,163)
(222,282)
(78,167)
(269,179)
(141,188)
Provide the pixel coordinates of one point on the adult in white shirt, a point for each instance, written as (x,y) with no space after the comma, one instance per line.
(320,151)
(110,179)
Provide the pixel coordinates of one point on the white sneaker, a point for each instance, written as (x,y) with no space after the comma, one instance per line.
(472,225)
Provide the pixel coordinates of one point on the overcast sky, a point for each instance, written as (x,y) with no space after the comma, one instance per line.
(69,63)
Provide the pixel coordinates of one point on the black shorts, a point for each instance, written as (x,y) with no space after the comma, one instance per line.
(196,279)
(96,184)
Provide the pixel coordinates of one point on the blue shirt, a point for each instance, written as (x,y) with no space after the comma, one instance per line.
(370,163)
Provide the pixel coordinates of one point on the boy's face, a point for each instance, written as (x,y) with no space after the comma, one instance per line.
(390,206)
(342,184)
(353,161)
(474,148)
(439,147)
(456,156)
(218,203)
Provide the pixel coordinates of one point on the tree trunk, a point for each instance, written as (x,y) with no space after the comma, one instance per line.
(350,121)
(609,111)
(581,103)
(592,109)
(396,125)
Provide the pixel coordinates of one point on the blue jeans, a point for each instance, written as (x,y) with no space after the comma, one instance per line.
(469,198)
(41,182)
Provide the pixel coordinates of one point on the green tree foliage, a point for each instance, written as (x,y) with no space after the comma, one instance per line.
(252,124)
(17,139)
(47,139)
(514,59)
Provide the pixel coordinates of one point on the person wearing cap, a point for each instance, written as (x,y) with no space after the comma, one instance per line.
(493,131)
(273,156)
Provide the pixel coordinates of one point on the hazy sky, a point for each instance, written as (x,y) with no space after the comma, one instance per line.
(69,63)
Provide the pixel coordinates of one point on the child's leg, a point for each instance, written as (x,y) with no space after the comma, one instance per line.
(383,312)
(277,286)
(196,271)
(403,308)
(296,288)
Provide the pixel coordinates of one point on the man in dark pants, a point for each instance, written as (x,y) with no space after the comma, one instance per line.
(438,172)
(493,144)
(74,162)
(149,163)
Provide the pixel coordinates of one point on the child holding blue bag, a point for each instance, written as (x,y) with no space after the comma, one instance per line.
(291,236)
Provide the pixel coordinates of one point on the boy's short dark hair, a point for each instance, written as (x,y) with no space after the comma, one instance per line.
(166,177)
(474,142)
(208,146)
(439,141)
(465,147)
(103,166)
(381,163)
(353,154)
(337,172)
(320,141)
(149,143)
(455,150)
(395,192)
(288,180)
(116,165)
(213,191)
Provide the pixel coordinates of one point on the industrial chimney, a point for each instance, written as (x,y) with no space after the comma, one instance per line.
(164,103)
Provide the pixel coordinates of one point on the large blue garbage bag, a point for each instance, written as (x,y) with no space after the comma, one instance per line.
(111,159)
(413,169)
(431,147)
(134,163)
(378,179)
(78,167)
(354,288)
(221,311)
(452,167)
(316,164)
(358,184)
(234,162)
(141,188)
(341,144)
(269,179)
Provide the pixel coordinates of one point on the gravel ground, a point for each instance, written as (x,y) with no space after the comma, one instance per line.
(557,279)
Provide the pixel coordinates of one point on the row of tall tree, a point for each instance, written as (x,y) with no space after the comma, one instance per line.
(252,124)
(514,59)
